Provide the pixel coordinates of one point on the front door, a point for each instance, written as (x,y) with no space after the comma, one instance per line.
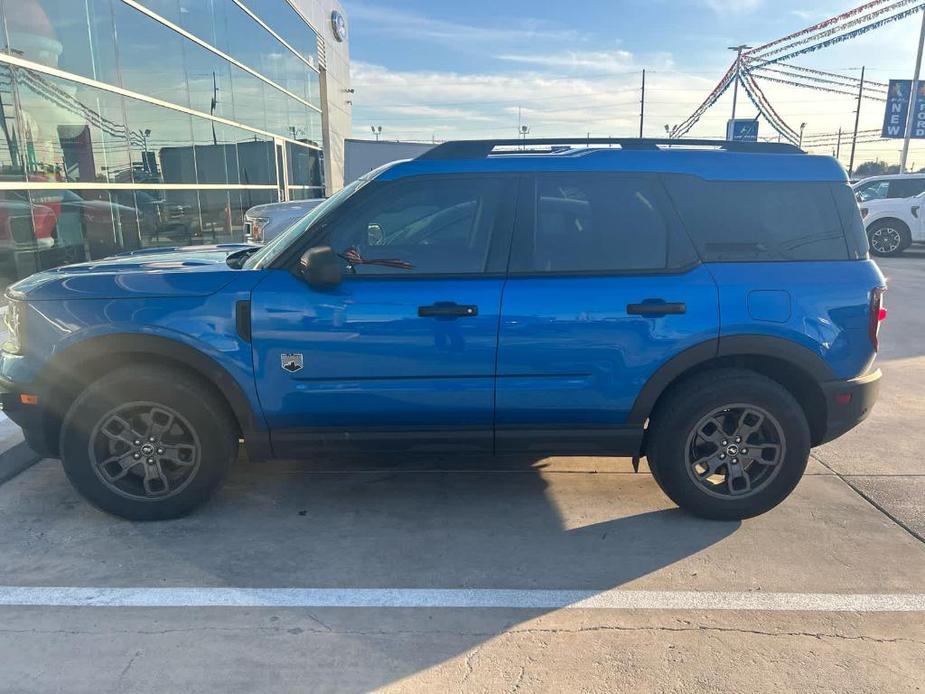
(401,354)
(604,288)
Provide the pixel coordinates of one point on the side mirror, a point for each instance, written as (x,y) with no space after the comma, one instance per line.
(320,267)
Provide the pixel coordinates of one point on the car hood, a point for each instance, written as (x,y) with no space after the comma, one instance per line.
(180,271)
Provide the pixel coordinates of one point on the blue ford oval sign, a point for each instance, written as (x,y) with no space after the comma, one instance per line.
(339,25)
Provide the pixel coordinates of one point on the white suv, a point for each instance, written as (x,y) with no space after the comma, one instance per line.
(891,209)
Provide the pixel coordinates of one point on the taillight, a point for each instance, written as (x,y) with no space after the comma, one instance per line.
(876,316)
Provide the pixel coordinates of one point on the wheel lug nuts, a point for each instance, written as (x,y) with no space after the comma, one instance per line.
(735,461)
(722,456)
(725,442)
(137,442)
(160,451)
(738,439)
(745,450)
(150,461)
(151,439)
(137,456)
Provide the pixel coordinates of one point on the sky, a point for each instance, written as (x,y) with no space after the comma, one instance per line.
(434,69)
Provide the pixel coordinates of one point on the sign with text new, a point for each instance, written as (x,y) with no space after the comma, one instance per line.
(897,107)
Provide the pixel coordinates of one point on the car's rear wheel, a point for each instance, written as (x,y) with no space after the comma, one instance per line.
(729,444)
(888,238)
(147,443)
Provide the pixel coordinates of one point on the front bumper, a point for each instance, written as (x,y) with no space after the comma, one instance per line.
(848,403)
(30,418)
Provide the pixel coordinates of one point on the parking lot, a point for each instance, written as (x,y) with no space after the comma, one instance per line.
(486,575)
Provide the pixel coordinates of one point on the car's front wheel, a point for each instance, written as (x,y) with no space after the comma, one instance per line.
(729,444)
(147,443)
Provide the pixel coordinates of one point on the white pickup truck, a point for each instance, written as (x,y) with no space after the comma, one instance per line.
(891,207)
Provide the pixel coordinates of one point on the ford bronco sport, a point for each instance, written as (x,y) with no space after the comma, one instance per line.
(708,305)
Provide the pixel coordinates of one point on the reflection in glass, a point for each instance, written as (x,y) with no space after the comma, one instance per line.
(11,155)
(72,36)
(72,132)
(285,21)
(305,167)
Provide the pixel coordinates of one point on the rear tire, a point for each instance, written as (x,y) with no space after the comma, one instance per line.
(729,444)
(147,443)
(888,238)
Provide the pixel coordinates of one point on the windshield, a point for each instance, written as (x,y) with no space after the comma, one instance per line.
(274,248)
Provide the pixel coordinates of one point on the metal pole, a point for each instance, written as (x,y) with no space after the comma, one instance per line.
(913,94)
(838,145)
(857,117)
(642,104)
(738,66)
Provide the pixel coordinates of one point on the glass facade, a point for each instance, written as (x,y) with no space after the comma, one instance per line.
(135,123)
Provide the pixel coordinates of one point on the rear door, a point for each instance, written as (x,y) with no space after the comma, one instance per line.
(603,289)
(401,354)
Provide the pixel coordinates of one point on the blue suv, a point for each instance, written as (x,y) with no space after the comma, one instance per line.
(708,305)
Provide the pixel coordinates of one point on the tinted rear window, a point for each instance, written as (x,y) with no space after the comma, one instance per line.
(759,220)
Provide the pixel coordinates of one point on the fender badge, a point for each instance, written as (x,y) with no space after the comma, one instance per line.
(291,362)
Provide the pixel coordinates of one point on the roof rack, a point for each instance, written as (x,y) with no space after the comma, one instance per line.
(480,149)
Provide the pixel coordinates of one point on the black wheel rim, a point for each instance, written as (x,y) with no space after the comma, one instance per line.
(145,451)
(885,240)
(735,451)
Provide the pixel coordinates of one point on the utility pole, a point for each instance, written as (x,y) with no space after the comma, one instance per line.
(913,99)
(857,117)
(642,104)
(802,126)
(838,145)
(735,82)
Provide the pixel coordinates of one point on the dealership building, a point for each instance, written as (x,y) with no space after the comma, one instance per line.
(135,123)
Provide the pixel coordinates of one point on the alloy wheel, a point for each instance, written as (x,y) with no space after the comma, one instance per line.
(735,451)
(885,240)
(145,451)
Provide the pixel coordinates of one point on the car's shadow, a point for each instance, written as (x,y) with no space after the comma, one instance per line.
(444,524)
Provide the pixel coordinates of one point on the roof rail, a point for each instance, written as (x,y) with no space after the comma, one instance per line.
(480,149)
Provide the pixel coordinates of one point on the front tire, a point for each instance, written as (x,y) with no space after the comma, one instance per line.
(147,443)
(888,238)
(729,444)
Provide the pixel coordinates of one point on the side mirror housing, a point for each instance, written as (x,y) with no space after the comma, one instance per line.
(320,267)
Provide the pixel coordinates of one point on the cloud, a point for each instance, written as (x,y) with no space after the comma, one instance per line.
(599,62)
(408,25)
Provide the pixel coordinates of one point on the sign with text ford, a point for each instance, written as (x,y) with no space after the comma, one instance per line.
(897,108)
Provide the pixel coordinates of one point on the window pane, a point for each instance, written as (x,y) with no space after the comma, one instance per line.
(256,160)
(18,247)
(168,217)
(11,154)
(161,143)
(759,220)
(75,132)
(150,56)
(875,190)
(420,226)
(73,36)
(305,168)
(587,223)
(285,21)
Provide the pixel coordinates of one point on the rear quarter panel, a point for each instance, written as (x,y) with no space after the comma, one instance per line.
(823,306)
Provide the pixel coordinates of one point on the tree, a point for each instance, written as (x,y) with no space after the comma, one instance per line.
(875,168)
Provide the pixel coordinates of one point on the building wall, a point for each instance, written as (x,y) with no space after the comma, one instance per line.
(131,123)
(335,85)
(362,156)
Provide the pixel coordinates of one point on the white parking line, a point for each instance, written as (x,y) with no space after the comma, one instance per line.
(466,598)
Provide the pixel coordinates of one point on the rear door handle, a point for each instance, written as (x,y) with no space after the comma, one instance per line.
(656,307)
(448,309)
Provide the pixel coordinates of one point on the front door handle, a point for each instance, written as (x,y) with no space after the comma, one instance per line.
(448,309)
(656,308)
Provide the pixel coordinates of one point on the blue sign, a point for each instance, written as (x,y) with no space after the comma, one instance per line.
(742,129)
(897,108)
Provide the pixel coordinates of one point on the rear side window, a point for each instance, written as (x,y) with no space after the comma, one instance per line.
(906,187)
(873,190)
(759,220)
(594,223)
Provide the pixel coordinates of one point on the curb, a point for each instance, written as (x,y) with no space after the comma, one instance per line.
(15,454)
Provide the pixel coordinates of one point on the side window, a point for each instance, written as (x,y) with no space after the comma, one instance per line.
(591,223)
(906,187)
(422,225)
(875,190)
(759,220)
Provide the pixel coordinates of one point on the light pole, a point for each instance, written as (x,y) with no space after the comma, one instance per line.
(144,134)
(738,66)
(912,113)
(802,126)
(377,131)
